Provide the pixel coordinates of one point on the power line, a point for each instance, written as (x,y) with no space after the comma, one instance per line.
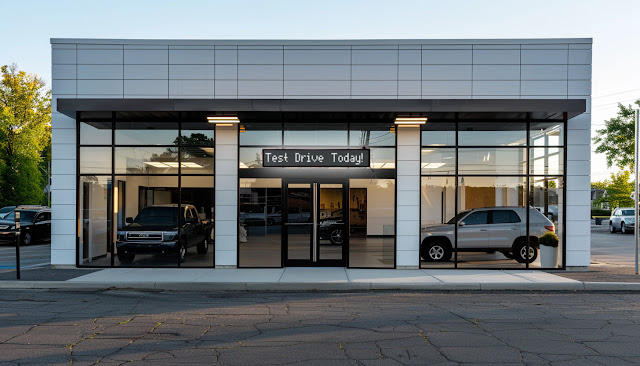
(614,103)
(609,95)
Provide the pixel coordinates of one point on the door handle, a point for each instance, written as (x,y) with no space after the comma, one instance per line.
(483,229)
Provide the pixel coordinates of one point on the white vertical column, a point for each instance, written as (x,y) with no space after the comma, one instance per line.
(226,195)
(408,197)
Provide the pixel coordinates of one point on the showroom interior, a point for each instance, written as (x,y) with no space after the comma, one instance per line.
(432,181)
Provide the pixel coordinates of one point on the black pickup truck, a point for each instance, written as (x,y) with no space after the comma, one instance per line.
(155,230)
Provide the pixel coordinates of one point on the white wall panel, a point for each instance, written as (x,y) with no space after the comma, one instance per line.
(146,87)
(544,72)
(484,87)
(203,88)
(146,71)
(446,57)
(496,57)
(261,87)
(226,57)
(579,72)
(260,57)
(547,87)
(337,88)
(63,56)
(446,72)
(410,57)
(317,57)
(192,72)
(374,72)
(442,88)
(406,87)
(97,72)
(63,71)
(381,57)
(64,86)
(374,87)
(496,72)
(544,57)
(579,87)
(102,87)
(409,72)
(260,72)
(226,72)
(317,72)
(191,57)
(582,57)
(226,88)
(146,57)
(102,57)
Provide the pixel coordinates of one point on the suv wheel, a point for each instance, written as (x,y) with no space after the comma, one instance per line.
(26,239)
(623,229)
(203,247)
(126,258)
(436,251)
(520,252)
(611,228)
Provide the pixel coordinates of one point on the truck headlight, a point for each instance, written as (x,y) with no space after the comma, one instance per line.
(4,227)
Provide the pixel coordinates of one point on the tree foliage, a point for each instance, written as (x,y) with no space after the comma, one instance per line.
(617,139)
(618,190)
(25,137)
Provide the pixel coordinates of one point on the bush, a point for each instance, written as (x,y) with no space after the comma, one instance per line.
(549,239)
(595,213)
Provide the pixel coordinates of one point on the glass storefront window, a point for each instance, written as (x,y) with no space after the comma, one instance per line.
(383,158)
(261,134)
(371,134)
(437,208)
(439,134)
(492,160)
(95,133)
(546,134)
(492,222)
(146,133)
(492,134)
(197,196)
(146,160)
(94,223)
(95,160)
(546,160)
(546,196)
(250,158)
(260,226)
(371,223)
(436,161)
(197,160)
(315,134)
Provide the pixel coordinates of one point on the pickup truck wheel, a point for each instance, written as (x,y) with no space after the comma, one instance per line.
(26,239)
(203,247)
(520,252)
(436,251)
(182,252)
(126,258)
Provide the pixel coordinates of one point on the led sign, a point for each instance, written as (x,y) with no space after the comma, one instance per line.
(358,158)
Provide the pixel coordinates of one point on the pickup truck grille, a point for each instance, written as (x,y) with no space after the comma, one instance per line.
(143,237)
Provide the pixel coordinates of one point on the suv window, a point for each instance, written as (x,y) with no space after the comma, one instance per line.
(627,213)
(477,218)
(505,217)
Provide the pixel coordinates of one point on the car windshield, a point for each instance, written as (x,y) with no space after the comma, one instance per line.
(25,216)
(158,216)
(458,217)
(627,213)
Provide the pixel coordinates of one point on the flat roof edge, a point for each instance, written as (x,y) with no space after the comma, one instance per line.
(319,42)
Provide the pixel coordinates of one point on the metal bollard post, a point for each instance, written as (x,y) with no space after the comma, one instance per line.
(17,215)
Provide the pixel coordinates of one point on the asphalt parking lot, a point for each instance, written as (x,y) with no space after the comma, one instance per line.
(37,255)
(615,249)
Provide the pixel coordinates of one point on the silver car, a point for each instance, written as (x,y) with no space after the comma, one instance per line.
(623,220)
(489,229)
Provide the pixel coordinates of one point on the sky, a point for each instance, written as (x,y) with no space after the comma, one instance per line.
(28,25)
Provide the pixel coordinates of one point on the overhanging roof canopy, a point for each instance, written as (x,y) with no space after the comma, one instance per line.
(538,108)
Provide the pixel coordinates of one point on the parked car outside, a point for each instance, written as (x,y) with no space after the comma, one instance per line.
(622,219)
(489,229)
(155,230)
(35,225)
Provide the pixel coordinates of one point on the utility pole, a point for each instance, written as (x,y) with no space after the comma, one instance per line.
(636,192)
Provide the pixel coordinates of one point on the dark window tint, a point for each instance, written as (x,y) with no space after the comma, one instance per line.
(476,218)
(25,216)
(627,213)
(505,217)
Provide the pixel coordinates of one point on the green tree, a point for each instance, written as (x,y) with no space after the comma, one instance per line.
(616,139)
(25,137)
(619,190)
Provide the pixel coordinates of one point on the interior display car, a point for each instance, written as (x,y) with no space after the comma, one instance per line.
(489,229)
(332,228)
(155,230)
(622,219)
(35,225)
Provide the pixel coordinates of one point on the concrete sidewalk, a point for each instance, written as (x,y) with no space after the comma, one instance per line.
(323,279)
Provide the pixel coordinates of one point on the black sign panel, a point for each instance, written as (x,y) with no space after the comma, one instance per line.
(357,158)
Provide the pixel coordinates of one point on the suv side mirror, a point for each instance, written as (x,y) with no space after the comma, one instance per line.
(129,220)
(461,223)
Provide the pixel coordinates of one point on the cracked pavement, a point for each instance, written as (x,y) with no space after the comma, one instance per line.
(120,327)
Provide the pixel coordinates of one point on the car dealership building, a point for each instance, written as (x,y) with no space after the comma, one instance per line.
(350,153)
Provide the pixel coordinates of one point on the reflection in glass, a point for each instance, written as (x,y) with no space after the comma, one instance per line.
(95,160)
(261,134)
(500,161)
(95,133)
(197,197)
(438,206)
(146,133)
(299,221)
(94,221)
(546,160)
(547,133)
(331,225)
(260,226)
(371,223)
(439,134)
(438,161)
(147,221)
(146,160)
(371,134)
(197,160)
(546,196)
(250,157)
(492,134)
(383,158)
(485,240)
(315,134)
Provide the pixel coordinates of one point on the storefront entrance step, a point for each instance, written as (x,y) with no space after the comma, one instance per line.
(314,275)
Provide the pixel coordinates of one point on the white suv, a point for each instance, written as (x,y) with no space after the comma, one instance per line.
(622,219)
(487,229)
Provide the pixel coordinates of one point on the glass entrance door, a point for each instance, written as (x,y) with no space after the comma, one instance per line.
(315,224)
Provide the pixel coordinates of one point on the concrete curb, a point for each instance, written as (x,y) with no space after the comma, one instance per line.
(324,286)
